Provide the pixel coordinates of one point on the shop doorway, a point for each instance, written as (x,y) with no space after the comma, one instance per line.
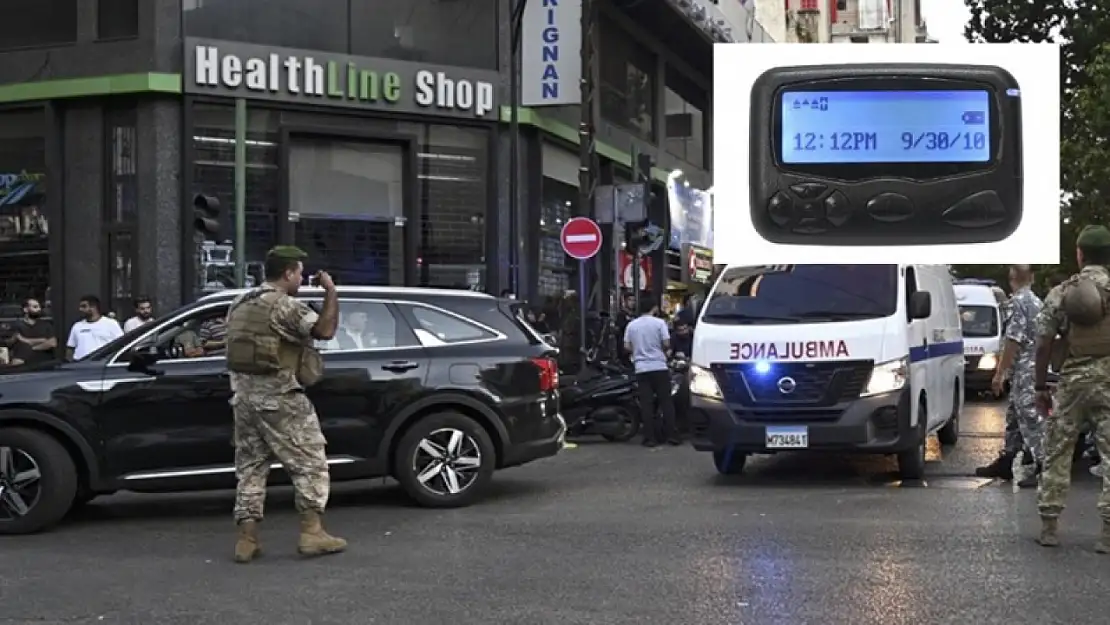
(347,206)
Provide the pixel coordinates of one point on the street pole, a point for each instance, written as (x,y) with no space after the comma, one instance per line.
(240,192)
(514,145)
(634,250)
(587,152)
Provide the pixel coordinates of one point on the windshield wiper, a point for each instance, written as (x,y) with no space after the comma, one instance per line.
(836,314)
(749,317)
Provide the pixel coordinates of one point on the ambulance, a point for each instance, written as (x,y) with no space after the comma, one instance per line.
(841,358)
(982,323)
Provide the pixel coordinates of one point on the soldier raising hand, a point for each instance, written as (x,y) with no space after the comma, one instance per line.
(272,359)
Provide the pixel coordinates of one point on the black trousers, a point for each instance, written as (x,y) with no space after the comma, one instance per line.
(655,391)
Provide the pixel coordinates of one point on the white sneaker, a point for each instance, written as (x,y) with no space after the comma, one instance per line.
(1097,470)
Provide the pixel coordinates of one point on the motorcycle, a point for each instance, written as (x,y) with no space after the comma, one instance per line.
(603,402)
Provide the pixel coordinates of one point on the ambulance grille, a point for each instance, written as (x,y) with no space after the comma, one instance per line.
(808,384)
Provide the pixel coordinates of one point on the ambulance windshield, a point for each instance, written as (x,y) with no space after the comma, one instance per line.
(803,293)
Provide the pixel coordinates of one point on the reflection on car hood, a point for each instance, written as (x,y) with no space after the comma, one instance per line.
(20,372)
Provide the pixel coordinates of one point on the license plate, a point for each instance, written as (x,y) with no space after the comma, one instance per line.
(790,437)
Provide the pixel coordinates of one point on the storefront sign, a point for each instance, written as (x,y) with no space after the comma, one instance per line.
(626,277)
(21,217)
(551,53)
(287,75)
(691,215)
(698,265)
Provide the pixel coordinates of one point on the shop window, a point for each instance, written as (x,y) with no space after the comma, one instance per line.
(213,138)
(117,19)
(348,200)
(35,23)
(452,175)
(316,25)
(462,32)
(685,118)
(628,79)
(24,228)
(121,205)
(557,271)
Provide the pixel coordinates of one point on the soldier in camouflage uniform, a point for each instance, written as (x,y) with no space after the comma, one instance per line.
(269,339)
(1024,425)
(1077,310)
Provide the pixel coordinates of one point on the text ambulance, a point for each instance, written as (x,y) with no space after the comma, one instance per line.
(865,358)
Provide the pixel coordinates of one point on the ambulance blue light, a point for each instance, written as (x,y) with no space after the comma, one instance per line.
(762,366)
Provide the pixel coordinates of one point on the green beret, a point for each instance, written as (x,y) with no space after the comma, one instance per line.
(292,252)
(1093,237)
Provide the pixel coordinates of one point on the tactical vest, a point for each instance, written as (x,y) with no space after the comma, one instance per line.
(1093,339)
(254,347)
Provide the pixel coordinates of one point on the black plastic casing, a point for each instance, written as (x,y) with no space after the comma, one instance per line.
(933,188)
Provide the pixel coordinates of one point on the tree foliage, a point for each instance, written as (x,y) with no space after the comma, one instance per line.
(1082,28)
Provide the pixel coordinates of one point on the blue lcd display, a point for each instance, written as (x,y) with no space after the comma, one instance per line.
(844,127)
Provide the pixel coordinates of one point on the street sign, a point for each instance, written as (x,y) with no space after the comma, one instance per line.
(581,238)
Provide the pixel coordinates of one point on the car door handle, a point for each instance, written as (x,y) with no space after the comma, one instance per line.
(399,366)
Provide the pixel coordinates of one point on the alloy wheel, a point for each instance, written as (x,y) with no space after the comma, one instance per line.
(446,462)
(20,483)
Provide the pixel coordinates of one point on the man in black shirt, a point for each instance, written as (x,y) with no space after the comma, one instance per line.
(34,339)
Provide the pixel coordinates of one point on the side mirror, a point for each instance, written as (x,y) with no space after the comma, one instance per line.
(143,358)
(921,305)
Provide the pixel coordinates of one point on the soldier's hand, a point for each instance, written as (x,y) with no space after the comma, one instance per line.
(325,281)
(997,384)
(1044,402)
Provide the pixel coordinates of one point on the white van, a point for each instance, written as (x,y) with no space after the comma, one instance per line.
(981,321)
(846,358)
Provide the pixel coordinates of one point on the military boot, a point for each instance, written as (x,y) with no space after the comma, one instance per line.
(1048,532)
(247,548)
(1103,544)
(314,540)
(1001,468)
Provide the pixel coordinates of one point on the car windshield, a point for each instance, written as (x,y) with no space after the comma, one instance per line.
(979,321)
(803,294)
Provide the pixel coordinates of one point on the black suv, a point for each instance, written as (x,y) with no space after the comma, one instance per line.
(411,373)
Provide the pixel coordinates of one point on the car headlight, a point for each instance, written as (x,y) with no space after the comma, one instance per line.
(703,383)
(886,377)
(988,362)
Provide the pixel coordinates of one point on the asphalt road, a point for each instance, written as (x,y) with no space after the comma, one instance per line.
(602,535)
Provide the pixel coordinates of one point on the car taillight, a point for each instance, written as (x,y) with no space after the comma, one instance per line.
(549,373)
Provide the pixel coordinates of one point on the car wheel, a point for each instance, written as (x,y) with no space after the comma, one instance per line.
(911,462)
(950,433)
(629,428)
(729,462)
(445,460)
(38,481)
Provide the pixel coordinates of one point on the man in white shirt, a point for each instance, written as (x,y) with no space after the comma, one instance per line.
(92,332)
(144,313)
(648,340)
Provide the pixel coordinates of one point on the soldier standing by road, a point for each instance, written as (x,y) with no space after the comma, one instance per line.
(1076,308)
(1024,428)
(271,358)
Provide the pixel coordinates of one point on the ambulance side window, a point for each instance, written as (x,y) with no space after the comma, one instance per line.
(911,288)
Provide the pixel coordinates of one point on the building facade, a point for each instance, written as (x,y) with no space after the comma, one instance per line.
(376,139)
(843,21)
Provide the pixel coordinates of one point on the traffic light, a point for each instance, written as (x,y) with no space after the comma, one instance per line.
(206,216)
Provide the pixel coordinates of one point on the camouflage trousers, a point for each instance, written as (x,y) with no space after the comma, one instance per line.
(1024,423)
(284,428)
(1077,405)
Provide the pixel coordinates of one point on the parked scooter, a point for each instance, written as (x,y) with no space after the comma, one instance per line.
(602,402)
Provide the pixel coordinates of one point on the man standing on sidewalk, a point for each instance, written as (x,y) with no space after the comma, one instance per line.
(1023,419)
(648,340)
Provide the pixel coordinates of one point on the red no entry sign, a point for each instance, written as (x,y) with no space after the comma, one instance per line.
(581,238)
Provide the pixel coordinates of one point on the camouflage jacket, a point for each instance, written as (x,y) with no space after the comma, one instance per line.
(1052,321)
(1024,307)
(293,321)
